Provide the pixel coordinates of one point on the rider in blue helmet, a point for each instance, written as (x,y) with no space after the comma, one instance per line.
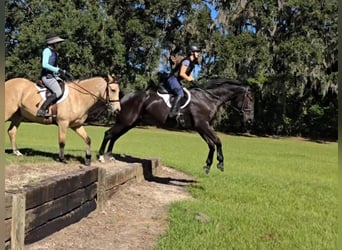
(181,73)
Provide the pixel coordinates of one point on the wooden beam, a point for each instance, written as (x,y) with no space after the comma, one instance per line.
(18,221)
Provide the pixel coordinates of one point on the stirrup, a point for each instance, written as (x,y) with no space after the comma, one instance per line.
(174,114)
(42,113)
(180,119)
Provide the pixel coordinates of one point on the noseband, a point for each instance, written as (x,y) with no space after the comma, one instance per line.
(108,100)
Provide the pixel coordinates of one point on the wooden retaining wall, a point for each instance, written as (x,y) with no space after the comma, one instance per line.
(40,209)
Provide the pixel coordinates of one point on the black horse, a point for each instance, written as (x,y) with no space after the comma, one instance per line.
(149,108)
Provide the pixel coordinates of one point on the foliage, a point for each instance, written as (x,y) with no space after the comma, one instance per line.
(288,49)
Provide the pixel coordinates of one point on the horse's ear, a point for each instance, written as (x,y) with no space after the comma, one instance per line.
(255,87)
(111,78)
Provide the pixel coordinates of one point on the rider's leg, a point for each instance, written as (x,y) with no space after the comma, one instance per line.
(53,86)
(175,107)
(178,92)
(42,111)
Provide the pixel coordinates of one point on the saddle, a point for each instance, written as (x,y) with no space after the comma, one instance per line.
(165,93)
(43,88)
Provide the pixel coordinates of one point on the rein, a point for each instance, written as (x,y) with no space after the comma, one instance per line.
(107,101)
(242,110)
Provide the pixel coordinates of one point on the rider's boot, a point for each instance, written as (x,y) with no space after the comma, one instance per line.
(175,107)
(49,100)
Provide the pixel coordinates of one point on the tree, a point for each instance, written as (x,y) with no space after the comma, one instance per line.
(93,46)
(288,49)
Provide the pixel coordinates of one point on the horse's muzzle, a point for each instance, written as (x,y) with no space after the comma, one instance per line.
(112,113)
(116,112)
(248,123)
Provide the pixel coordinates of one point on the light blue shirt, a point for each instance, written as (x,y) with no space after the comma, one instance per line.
(46,61)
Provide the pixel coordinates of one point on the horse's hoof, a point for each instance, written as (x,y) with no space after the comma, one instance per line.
(17,153)
(206,169)
(101,159)
(109,156)
(87,162)
(62,161)
(220,166)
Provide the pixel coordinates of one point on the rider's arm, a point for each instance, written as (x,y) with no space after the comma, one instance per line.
(182,72)
(45,61)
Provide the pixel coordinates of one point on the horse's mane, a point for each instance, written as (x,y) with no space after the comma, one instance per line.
(214,83)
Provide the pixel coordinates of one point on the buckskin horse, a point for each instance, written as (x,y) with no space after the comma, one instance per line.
(150,108)
(23,98)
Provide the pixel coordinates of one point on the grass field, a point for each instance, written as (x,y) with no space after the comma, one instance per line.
(274,193)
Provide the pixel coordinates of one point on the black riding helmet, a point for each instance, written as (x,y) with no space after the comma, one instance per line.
(192,48)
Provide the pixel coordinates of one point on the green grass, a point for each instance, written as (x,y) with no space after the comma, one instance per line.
(274,193)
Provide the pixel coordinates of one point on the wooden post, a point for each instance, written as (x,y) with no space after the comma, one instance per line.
(101,188)
(18,221)
(139,174)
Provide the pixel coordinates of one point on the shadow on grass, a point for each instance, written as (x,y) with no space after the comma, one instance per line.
(148,173)
(29,152)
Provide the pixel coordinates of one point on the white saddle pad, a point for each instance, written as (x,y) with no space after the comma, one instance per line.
(42,92)
(167,97)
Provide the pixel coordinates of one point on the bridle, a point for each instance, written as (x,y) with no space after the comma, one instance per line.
(243,108)
(108,100)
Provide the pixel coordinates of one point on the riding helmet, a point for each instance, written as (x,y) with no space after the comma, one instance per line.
(192,48)
(51,39)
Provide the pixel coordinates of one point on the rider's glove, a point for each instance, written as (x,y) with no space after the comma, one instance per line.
(65,74)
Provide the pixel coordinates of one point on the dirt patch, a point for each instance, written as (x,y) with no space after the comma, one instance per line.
(133,218)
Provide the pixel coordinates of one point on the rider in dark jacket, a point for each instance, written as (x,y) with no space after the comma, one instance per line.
(49,73)
(182,73)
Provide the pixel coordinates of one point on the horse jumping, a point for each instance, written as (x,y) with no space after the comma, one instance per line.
(150,108)
(23,98)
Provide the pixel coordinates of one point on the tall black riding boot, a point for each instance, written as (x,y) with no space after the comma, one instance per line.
(175,107)
(42,111)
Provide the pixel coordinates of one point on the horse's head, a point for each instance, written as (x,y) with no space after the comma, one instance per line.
(244,103)
(112,96)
